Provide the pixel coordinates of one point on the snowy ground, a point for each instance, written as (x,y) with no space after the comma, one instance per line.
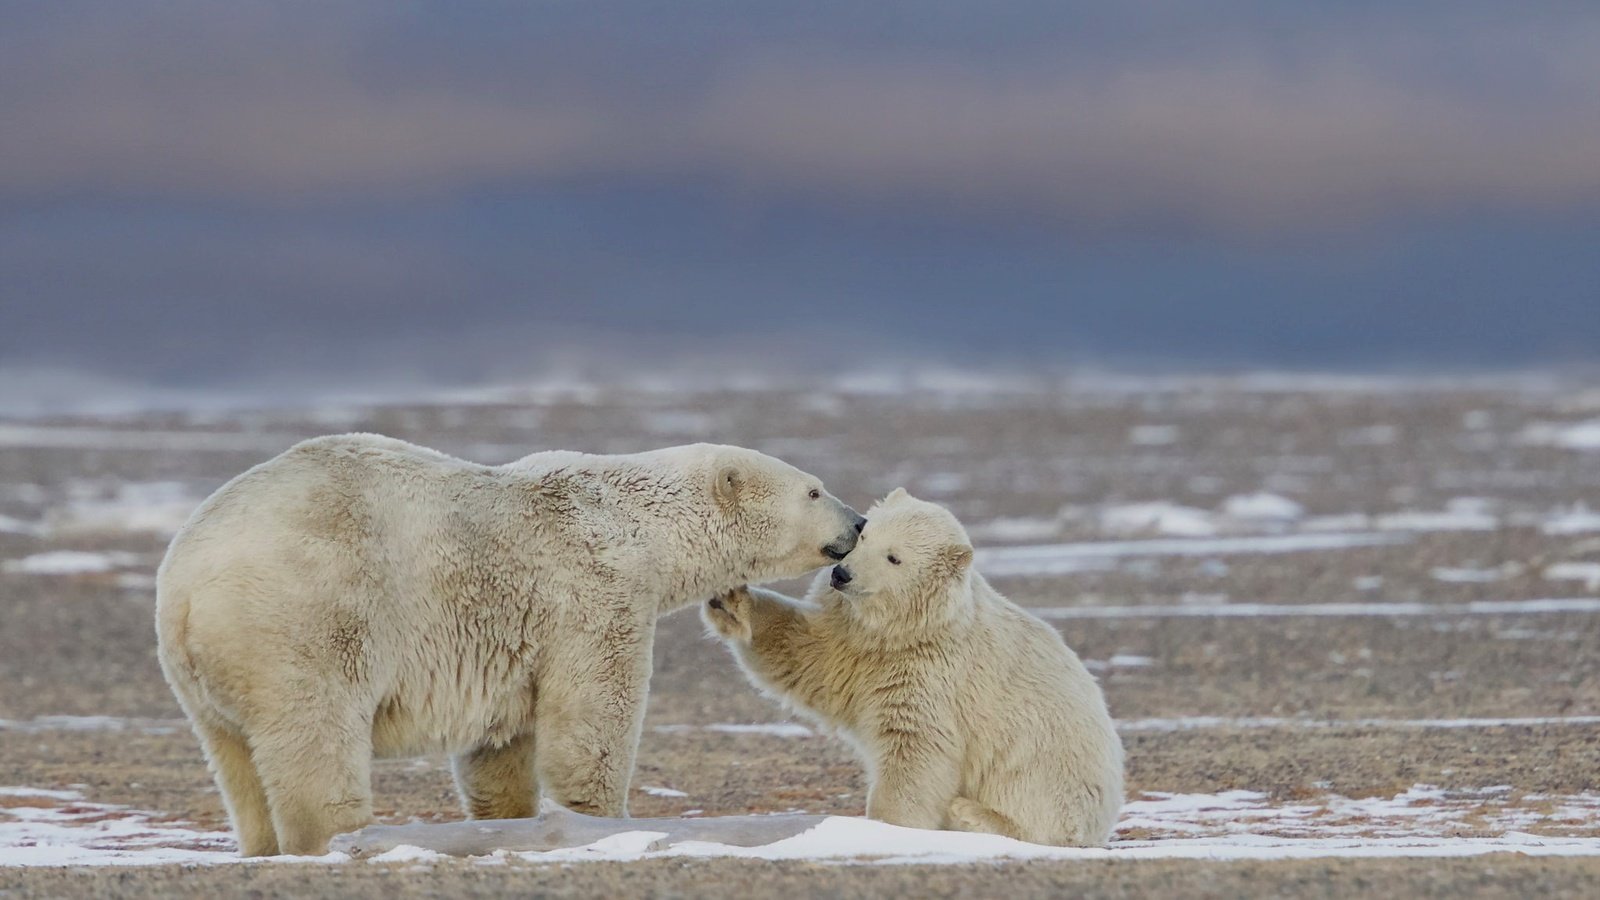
(60,827)
(1336,618)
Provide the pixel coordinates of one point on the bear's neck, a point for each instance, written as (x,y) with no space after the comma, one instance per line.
(686,554)
(704,571)
(661,523)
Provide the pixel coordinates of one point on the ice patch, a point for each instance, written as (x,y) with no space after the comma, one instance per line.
(70,562)
(663,792)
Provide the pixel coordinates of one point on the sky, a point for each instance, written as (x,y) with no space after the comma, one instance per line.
(198,193)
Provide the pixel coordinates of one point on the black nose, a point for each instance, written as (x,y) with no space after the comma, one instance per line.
(861,522)
(840,578)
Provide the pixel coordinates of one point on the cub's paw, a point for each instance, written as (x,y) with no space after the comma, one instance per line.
(729,614)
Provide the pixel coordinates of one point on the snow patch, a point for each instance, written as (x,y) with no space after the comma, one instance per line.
(1153,435)
(1461,514)
(92,723)
(771,729)
(408,853)
(1370,436)
(1058,559)
(9,525)
(68,437)
(69,562)
(1262,507)
(157,507)
(1250,610)
(663,792)
(58,828)
(1157,518)
(1567,435)
(941,484)
(1012,529)
(1421,821)
(1575,520)
(1586,572)
(1194,723)
(1470,575)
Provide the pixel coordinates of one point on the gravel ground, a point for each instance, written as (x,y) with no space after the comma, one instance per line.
(1472,483)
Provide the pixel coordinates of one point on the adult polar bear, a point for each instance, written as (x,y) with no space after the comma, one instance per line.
(361,596)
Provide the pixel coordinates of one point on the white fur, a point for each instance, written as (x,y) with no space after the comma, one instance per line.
(361,596)
(968,712)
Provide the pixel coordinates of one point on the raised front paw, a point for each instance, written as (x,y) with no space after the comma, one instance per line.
(729,614)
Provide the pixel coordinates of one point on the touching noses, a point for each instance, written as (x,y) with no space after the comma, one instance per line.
(840,577)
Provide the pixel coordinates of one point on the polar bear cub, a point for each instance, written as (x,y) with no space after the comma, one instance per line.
(969,713)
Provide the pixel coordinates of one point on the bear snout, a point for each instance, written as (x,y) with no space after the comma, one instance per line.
(715,603)
(844,543)
(861,523)
(840,577)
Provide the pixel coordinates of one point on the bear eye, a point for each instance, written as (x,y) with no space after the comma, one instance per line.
(814,494)
(894,560)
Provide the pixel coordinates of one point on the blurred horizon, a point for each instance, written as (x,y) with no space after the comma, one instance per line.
(197,196)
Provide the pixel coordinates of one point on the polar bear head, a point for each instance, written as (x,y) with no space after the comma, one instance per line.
(780,522)
(909,570)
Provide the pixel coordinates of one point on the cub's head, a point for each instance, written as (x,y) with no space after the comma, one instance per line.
(782,521)
(909,570)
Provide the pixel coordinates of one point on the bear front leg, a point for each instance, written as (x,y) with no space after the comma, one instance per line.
(588,718)
(498,782)
(914,787)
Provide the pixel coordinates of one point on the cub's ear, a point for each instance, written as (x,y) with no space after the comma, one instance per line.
(726,489)
(898,493)
(955,560)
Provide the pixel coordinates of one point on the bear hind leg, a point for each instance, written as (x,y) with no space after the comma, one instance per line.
(242,792)
(317,771)
(498,782)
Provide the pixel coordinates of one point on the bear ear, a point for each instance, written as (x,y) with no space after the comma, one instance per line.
(956,558)
(730,481)
(898,493)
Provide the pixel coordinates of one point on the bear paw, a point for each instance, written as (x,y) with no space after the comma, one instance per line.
(729,614)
